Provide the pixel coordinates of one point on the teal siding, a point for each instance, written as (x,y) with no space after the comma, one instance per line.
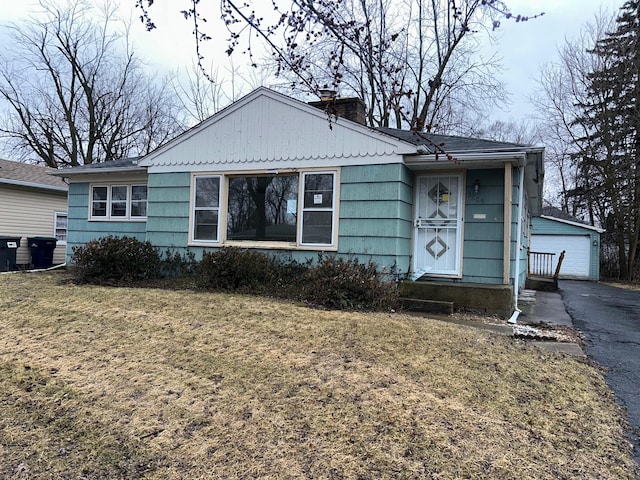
(168,210)
(375,211)
(482,260)
(80,230)
(376,214)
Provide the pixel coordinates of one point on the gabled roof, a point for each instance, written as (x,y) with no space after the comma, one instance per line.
(267,129)
(450,144)
(27,175)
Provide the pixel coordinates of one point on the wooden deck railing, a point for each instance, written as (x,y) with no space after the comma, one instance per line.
(540,264)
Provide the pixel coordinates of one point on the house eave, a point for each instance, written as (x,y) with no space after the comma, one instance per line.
(575,224)
(486,159)
(41,186)
(66,173)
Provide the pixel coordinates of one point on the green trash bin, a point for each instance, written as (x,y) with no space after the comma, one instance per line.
(42,251)
(8,248)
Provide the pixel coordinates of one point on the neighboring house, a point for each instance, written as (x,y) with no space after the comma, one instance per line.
(33,203)
(273,173)
(554,232)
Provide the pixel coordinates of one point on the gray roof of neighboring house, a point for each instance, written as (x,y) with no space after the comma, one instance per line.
(550,211)
(28,175)
(123,165)
(449,143)
(555,214)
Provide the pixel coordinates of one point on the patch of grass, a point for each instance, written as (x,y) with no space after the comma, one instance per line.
(100,382)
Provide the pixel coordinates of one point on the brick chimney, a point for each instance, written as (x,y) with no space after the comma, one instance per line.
(350,108)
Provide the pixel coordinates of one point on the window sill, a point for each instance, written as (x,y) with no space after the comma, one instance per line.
(263,245)
(141,219)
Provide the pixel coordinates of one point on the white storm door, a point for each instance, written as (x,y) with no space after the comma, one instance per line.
(438,225)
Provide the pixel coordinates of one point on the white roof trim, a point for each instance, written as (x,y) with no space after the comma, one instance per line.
(575,224)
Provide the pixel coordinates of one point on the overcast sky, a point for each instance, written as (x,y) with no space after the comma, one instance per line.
(524,47)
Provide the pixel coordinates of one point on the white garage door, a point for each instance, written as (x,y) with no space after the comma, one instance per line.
(577,258)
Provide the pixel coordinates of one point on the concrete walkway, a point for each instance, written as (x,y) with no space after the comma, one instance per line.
(542,313)
(547,308)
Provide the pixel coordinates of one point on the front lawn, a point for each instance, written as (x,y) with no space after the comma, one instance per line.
(103,382)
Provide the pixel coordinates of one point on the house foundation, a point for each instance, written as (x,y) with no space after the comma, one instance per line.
(478,297)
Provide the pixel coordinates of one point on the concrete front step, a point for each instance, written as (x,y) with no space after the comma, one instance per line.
(485,298)
(426,306)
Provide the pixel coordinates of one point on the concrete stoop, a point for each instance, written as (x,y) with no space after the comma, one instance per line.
(426,306)
(477,297)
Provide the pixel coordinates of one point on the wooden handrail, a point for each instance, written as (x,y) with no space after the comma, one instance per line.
(540,264)
(557,272)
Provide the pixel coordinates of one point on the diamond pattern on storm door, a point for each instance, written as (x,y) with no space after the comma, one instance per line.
(440,243)
(439,194)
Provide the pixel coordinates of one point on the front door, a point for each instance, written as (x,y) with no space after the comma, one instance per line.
(438,225)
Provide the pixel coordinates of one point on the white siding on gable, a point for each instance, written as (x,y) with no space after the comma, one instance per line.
(28,212)
(265,131)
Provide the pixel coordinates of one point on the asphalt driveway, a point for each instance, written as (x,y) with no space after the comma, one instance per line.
(609,318)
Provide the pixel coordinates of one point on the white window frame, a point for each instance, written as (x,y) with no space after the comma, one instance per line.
(223,205)
(310,209)
(195,208)
(56,216)
(108,217)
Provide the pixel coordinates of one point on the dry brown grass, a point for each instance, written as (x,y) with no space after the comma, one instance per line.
(146,383)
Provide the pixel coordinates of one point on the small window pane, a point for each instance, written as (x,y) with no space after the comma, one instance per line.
(317,227)
(119,193)
(139,209)
(100,193)
(207,191)
(61,227)
(99,209)
(138,192)
(118,209)
(139,201)
(206,225)
(318,190)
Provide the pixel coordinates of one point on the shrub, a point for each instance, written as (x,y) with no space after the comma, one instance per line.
(176,265)
(348,285)
(112,258)
(235,269)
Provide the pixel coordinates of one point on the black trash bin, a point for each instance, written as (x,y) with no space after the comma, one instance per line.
(42,251)
(8,248)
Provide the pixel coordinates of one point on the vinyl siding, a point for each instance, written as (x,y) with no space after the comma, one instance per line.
(29,212)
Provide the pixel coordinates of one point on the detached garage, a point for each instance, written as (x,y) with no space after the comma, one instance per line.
(580,242)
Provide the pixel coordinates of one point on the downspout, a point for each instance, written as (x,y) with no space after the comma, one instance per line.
(516,273)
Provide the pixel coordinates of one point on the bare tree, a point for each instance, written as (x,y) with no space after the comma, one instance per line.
(563,86)
(202,93)
(401,59)
(76,92)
